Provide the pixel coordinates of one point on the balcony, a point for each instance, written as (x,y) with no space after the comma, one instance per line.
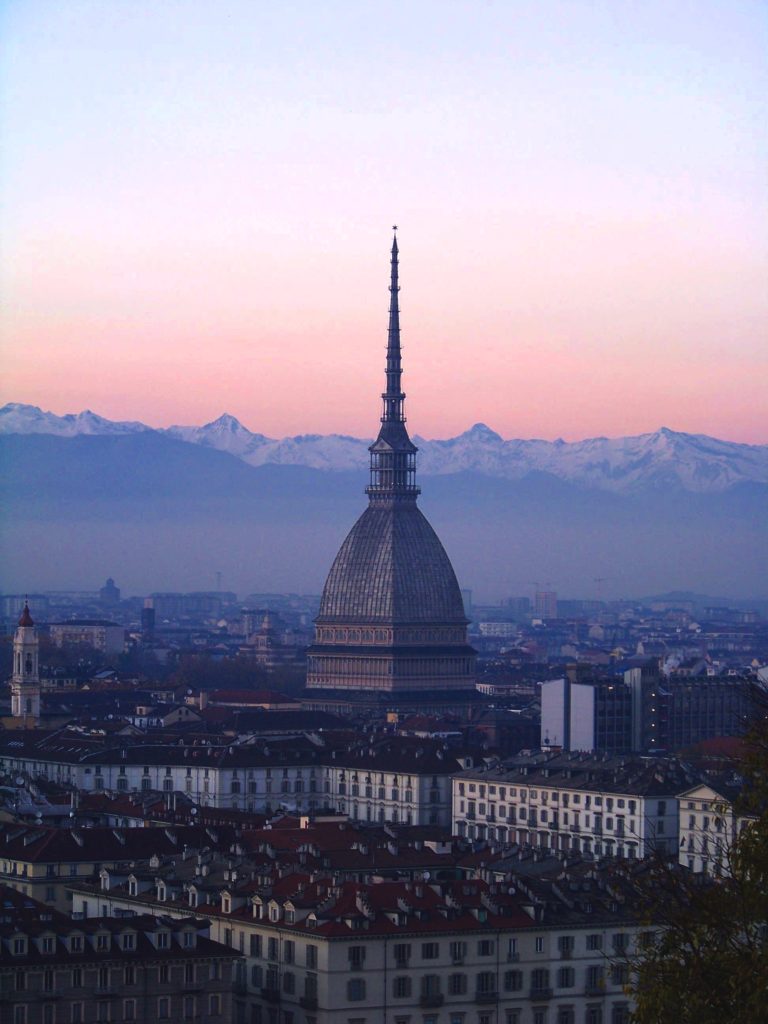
(431,1001)
(270,995)
(308,1002)
(486,997)
(541,993)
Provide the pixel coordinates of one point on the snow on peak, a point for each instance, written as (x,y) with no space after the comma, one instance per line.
(662,459)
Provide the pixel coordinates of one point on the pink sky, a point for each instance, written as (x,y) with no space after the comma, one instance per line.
(197,214)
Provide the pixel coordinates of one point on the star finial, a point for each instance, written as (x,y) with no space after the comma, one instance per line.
(394,227)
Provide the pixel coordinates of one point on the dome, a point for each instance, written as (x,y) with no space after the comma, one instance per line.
(392,568)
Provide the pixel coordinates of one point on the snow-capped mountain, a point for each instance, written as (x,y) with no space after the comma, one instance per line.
(691,462)
(16,418)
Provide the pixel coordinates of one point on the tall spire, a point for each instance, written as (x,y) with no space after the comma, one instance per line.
(393,397)
(393,454)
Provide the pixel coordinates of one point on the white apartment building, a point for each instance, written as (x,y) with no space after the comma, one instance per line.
(709,825)
(399,780)
(614,807)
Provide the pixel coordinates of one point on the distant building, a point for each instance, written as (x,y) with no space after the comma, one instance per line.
(642,712)
(545,605)
(101,634)
(109,594)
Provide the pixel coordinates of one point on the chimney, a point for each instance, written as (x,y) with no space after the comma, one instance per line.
(203,701)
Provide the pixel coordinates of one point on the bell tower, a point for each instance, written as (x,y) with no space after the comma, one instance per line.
(25,682)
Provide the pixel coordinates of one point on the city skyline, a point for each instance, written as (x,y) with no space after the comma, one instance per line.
(196,210)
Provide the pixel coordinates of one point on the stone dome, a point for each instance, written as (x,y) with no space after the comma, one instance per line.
(392,568)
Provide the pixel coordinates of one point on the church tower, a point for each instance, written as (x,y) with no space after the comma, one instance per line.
(391,617)
(25,682)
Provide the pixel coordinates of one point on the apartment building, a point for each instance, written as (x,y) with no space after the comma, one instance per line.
(319,950)
(138,969)
(395,779)
(709,824)
(619,807)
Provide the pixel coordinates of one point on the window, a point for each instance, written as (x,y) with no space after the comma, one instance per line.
(289,982)
(163,940)
(48,981)
(619,974)
(458,951)
(540,1015)
(594,1015)
(402,952)
(430,986)
(401,987)
(102,1011)
(129,940)
(49,1013)
(539,943)
(566,1015)
(162,974)
(356,990)
(311,956)
(485,947)
(539,981)
(565,945)
(163,1007)
(129,975)
(457,984)
(594,942)
(356,957)
(289,951)
(214,1004)
(430,950)
(103,976)
(20,1014)
(513,981)
(189,1007)
(272,949)
(566,977)
(76,1013)
(486,983)
(129,1009)
(77,978)
(620,941)
(255,945)
(594,978)
(620,1014)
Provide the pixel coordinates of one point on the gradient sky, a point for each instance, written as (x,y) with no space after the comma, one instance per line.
(197,200)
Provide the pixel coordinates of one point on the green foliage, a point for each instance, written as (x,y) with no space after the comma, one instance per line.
(708,962)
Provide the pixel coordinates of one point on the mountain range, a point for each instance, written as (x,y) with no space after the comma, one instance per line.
(85,498)
(663,459)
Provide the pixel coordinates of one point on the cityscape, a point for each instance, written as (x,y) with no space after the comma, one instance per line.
(355,725)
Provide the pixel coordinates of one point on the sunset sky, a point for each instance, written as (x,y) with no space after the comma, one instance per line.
(197,200)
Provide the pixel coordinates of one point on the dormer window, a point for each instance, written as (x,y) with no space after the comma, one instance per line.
(102,942)
(76,943)
(48,944)
(226,905)
(193,897)
(189,940)
(20,945)
(132,887)
(163,940)
(129,941)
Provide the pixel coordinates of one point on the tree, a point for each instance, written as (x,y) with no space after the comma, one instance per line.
(707,959)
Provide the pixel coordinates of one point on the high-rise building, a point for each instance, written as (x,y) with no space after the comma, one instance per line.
(546,604)
(391,618)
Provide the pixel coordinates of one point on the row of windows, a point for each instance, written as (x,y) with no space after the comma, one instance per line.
(512,793)
(103,1012)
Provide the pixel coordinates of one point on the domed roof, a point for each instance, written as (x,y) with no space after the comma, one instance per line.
(392,568)
(26,618)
